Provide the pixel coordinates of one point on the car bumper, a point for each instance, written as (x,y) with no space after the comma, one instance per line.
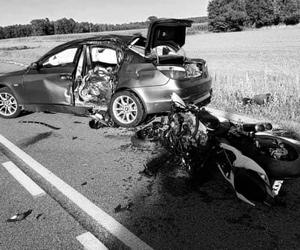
(157,99)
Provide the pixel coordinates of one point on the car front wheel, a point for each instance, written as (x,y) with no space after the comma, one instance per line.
(9,107)
(126,109)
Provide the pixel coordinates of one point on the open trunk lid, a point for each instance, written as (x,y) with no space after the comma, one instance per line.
(166,32)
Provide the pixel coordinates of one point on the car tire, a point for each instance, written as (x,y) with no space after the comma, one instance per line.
(9,106)
(126,110)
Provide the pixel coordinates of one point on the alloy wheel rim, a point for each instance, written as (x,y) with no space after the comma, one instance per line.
(8,104)
(125,109)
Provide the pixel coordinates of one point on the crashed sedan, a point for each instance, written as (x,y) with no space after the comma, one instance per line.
(125,78)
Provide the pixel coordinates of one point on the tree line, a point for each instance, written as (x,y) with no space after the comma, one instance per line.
(235,15)
(41,27)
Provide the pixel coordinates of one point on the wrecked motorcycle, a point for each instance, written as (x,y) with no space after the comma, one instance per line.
(253,159)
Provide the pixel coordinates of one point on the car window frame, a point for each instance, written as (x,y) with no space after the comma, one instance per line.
(74,62)
(103,46)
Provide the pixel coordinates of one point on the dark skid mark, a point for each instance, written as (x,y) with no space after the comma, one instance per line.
(19,216)
(41,123)
(36,139)
(78,122)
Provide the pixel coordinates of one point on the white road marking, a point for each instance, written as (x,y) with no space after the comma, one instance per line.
(101,217)
(23,179)
(90,242)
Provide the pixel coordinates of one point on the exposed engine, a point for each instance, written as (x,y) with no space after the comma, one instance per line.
(97,86)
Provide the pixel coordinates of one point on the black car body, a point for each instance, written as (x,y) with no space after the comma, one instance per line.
(130,77)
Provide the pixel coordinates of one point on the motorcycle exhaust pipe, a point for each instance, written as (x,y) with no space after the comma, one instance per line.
(256,127)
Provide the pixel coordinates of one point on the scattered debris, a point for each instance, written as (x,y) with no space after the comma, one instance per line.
(101,120)
(41,123)
(19,216)
(119,208)
(260,99)
(38,216)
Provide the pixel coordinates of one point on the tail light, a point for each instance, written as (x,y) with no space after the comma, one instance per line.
(204,69)
(189,70)
(173,72)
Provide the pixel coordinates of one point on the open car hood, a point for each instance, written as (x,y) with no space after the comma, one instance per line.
(166,32)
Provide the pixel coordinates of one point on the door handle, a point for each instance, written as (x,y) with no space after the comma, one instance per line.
(66,76)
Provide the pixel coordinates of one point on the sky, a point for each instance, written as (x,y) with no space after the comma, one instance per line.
(98,11)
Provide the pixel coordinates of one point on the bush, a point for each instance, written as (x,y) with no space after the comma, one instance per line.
(233,15)
(226,15)
(292,20)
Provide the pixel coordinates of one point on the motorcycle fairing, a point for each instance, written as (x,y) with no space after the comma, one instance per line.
(242,161)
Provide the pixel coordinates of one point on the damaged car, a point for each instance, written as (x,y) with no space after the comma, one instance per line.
(126,78)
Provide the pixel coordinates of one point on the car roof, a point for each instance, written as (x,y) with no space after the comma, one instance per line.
(120,39)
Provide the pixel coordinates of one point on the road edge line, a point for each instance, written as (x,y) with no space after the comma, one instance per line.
(94,212)
(90,242)
(34,189)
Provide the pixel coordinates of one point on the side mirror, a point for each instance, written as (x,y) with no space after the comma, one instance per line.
(35,66)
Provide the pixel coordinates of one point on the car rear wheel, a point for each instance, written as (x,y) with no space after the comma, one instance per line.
(126,109)
(9,107)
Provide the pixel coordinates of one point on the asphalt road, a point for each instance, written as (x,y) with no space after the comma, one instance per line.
(163,211)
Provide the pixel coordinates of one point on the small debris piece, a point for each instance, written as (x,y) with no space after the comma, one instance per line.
(74,137)
(38,216)
(84,183)
(260,99)
(19,216)
(119,208)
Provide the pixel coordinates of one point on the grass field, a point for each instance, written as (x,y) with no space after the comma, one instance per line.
(254,62)
(242,64)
